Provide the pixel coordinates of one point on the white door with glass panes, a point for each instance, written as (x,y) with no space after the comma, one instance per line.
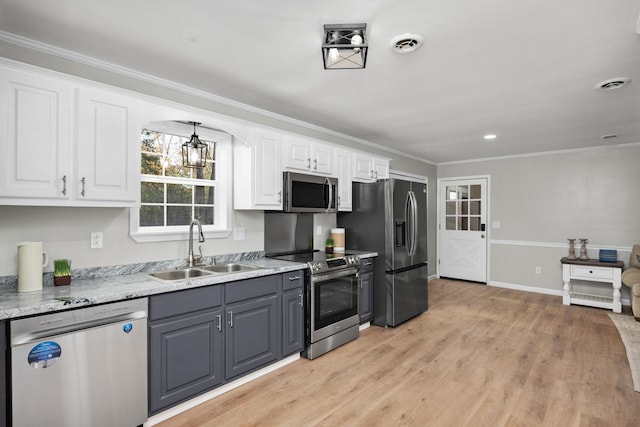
(462,229)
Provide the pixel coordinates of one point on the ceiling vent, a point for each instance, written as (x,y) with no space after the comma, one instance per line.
(406,43)
(612,84)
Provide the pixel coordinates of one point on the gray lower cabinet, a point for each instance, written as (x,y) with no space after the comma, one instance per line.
(251,335)
(185,345)
(292,313)
(202,337)
(366,290)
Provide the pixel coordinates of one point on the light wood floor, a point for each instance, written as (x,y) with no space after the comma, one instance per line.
(481,356)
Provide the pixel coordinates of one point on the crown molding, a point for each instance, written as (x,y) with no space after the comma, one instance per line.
(69,55)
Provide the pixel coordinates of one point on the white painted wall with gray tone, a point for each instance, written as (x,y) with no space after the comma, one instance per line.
(66,231)
(542,200)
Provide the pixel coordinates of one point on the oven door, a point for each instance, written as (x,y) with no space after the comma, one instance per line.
(334,302)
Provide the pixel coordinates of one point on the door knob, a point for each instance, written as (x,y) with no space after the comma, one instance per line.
(482,235)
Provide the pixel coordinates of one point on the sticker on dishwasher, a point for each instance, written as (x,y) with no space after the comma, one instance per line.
(128,327)
(44,354)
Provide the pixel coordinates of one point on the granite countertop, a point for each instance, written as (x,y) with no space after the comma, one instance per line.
(111,284)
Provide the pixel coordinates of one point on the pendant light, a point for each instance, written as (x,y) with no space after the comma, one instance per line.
(194,152)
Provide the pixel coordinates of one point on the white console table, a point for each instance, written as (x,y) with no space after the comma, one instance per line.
(592,271)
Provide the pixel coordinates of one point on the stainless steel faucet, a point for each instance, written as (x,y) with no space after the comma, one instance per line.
(191,259)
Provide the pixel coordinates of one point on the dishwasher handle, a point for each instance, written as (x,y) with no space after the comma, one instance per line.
(34,336)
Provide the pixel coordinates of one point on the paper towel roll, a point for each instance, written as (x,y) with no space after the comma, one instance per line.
(338,236)
(31,260)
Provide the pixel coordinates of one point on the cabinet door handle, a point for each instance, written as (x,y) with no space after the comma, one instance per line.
(292,278)
(64,185)
(308,162)
(219,317)
(279,196)
(315,164)
(83,182)
(231,318)
(301,301)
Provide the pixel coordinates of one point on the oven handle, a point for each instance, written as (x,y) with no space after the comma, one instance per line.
(352,271)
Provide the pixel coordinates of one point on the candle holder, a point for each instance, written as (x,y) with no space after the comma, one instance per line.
(572,249)
(583,249)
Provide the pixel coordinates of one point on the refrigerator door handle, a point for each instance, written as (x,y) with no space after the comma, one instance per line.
(414,223)
(407,219)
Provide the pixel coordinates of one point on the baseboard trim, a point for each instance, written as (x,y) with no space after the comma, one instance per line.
(178,409)
(534,289)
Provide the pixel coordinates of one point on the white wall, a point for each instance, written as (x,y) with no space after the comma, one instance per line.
(542,200)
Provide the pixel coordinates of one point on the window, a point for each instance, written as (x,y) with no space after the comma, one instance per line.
(463,203)
(172,195)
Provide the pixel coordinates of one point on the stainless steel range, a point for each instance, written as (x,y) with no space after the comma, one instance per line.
(332,294)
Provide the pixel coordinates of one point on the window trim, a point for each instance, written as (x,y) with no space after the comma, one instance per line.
(223,201)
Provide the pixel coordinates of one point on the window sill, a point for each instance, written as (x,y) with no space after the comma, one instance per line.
(167,236)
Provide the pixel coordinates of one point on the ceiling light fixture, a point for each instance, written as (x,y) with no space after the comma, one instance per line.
(490,136)
(611,84)
(406,43)
(194,152)
(344,46)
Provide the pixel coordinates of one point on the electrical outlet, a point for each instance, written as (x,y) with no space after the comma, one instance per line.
(538,270)
(96,240)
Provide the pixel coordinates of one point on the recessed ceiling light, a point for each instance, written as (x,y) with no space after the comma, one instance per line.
(611,84)
(490,136)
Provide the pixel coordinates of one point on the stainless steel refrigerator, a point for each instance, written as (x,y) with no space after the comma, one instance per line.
(390,217)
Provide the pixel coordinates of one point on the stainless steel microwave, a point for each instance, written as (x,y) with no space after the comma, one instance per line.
(310,193)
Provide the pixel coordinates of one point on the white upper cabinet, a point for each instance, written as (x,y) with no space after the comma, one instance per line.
(304,155)
(107,153)
(368,168)
(36,116)
(65,144)
(344,168)
(257,172)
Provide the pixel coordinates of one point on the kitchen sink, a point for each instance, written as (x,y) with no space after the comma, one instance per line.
(185,273)
(200,271)
(229,268)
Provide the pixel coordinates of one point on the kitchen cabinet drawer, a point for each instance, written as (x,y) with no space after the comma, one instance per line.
(251,288)
(292,280)
(182,302)
(586,272)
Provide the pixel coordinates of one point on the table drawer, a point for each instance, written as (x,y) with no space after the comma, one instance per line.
(578,271)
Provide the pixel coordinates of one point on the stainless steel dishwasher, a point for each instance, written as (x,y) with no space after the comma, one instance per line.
(83,367)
